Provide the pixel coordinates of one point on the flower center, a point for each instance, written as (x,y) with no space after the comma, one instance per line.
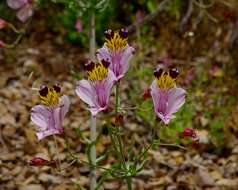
(50,96)
(166,79)
(116,41)
(97,72)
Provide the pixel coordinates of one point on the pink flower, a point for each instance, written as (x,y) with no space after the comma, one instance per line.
(167,98)
(3,23)
(96,90)
(24,8)
(49,116)
(117,51)
(78,25)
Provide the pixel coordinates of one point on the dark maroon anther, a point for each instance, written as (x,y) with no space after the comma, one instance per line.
(109,34)
(43,91)
(174,72)
(57,88)
(105,63)
(123,33)
(158,73)
(89,65)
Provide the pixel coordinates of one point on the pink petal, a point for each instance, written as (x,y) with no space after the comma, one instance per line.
(86,92)
(103,53)
(16,4)
(176,100)
(126,56)
(25,12)
(78,25)
(64,105)
(40,115)
(42,134)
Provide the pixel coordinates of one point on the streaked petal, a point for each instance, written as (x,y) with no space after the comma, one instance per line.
(40,116)
(126,56)
(42,134)
(64,105)
(176,100)
(86,92)
(25,12)
(16,4)
(103,53)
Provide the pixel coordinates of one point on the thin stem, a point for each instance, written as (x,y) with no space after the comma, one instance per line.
(93,157)
(117,97)
(57,154)
(93,129)
(121,154)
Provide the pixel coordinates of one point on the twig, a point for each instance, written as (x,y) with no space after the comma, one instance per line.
(187,16)
(149,17)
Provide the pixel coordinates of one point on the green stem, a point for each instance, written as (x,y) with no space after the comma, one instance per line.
(57,154)
(93,156)
(120,153)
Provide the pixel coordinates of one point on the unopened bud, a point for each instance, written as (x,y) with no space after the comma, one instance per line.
(3,23)
(38,161)
(146,94)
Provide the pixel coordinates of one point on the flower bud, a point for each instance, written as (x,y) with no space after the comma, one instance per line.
(38,161)
(187,132)
(3,23)
(146,94)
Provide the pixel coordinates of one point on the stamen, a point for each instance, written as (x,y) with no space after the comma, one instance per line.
(99,72)
(50,96)
(116,41)
(166,79)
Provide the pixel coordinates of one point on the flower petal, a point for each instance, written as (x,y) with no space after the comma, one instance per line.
(42,134)
(160,100)
(40,115)
(16,4)
(86,92)
(103,53)
(25,12)
(176,100)
(64,105)
(126,56)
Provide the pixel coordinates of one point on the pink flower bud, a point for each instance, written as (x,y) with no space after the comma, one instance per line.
(187,132)
(38,161)
(78,25)
(3,23)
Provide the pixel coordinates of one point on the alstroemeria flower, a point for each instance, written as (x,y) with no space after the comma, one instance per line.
(96,90)
(24,8)
(167,98)
(117,51)
(49,116)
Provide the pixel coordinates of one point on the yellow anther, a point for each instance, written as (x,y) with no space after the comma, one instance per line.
(165,81)
(98,73)
(116,43)
(51,99)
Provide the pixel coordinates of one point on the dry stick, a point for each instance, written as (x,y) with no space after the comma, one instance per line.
(186,17)
(93,129)
(149,17)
